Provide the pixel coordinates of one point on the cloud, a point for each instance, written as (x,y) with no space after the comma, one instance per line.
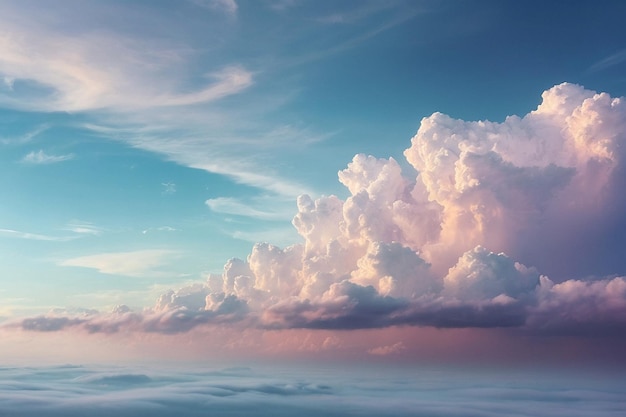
(141,263)
(228,205)
(40,158)
(127,391)
(502,225)
(355,14)
(225,6)
(26,137)
(61,72)
(159,229)
(228,81)
(34,236)
(169,188)
(610,61)
(387,350)
(84,228)
(281,5)
(158,95)
(581,307)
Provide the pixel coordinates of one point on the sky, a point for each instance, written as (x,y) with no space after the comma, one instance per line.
(312,181)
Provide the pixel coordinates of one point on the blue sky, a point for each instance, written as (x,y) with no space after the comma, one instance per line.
(144,144)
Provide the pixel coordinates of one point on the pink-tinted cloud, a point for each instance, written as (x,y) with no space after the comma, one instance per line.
(499,228)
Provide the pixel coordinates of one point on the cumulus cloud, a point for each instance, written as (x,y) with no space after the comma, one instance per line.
(501,227)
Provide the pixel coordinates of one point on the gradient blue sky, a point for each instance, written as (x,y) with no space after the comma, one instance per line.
(145,143)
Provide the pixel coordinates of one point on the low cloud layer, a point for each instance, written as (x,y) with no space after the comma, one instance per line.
(78,391)
(513,224)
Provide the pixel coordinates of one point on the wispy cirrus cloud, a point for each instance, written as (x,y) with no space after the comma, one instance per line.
(229,205)
(355,14)
(159,229)
(42,158)
(226,6)
(182,119)
(84,228)
(610,61)
(17,234)
(140,263)
(26,137)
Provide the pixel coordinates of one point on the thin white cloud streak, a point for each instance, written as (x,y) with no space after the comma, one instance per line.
(228,205)
(141,263)
(84,228)
(42,158)
(159,229)
(34,236)
(209,152)
(608,62)
(226,6)
(229,81)
(355,41)
(282,5)
(26,137)
(354,14)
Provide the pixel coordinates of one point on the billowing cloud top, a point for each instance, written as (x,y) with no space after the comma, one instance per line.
(516,224)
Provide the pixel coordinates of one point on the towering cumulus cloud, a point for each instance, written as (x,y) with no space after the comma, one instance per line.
(517,223)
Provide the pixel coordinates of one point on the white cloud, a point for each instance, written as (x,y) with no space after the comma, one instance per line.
(153,96)
(67,73)
(141,263)
(40,157)
(159,229)
(610,61)
(26,137)
(226,6)
(84,228)
(34,236)
(229,205)
(462,243)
